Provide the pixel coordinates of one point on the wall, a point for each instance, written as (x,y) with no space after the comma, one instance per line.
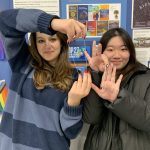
(5,71)
(128,16)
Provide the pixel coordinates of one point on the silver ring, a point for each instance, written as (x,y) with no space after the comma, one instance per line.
(107,65)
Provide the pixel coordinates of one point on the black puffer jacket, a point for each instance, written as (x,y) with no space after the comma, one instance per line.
(125,124)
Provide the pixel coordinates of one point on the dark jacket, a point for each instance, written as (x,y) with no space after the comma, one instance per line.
(124,124)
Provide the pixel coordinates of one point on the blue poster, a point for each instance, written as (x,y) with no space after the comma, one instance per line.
(76,53)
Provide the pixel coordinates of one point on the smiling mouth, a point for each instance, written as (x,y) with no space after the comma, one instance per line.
(48,52)
(116,62)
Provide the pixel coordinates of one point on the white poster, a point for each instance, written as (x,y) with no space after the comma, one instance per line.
(141,39)
(49,6)
(114,11)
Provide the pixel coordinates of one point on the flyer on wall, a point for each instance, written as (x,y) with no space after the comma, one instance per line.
(141,39)
(49,6)
(141,14)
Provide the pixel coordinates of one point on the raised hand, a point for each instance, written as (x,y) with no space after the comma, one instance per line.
(98,61)
(73,28)
(109,87)
(80,89)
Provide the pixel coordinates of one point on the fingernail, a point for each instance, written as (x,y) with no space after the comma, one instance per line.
(85,71)
(84,36)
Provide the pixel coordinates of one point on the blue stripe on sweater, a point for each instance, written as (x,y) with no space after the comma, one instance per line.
(45,117)
(7,144)
(30,135)
(49,97)
(65,125)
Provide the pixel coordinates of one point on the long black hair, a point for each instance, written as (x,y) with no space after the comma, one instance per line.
(133,63)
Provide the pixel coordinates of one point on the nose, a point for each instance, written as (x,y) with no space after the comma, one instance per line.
(47,46)
(48,43)
(117,53)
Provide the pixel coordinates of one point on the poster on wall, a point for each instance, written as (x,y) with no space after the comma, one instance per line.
(141,14)
(76,53)
(98,18)
(49,6)
(2,55)
(141,39)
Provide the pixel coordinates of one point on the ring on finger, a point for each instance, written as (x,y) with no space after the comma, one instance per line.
(74,36)
(107,65)
(101,87)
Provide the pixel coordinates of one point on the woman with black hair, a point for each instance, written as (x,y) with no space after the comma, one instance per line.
(118,106)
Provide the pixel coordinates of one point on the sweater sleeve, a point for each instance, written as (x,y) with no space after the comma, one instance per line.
(71,120)
(14,25)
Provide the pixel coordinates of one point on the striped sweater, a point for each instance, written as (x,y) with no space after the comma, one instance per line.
(33,119)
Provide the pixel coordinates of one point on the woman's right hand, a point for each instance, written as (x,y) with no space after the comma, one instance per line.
(72,28)
(109,86)
(98,61)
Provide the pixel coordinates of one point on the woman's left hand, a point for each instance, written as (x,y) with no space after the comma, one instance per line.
(80,89)
(109,87)
(98,60)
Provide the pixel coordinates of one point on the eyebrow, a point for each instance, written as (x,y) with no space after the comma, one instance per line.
(50,37)
(115,46)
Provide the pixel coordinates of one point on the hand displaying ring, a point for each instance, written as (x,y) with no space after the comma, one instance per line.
(109,87)
(98,61)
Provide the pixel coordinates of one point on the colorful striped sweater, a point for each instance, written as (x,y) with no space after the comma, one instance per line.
(32,119)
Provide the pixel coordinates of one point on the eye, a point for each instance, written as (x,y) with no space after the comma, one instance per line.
(109,49)
(124,49)
(52,39)
(40,41)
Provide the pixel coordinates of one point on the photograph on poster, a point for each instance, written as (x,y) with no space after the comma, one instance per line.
(93,12)
(102,27)
(104,12)
(83,13)
(141,14)
(141,39)
(98,18)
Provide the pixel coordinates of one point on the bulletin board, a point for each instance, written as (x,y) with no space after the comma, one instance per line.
(82,10)
(123,3)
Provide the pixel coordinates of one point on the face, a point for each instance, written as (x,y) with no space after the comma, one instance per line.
(49,47)
(117,52)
